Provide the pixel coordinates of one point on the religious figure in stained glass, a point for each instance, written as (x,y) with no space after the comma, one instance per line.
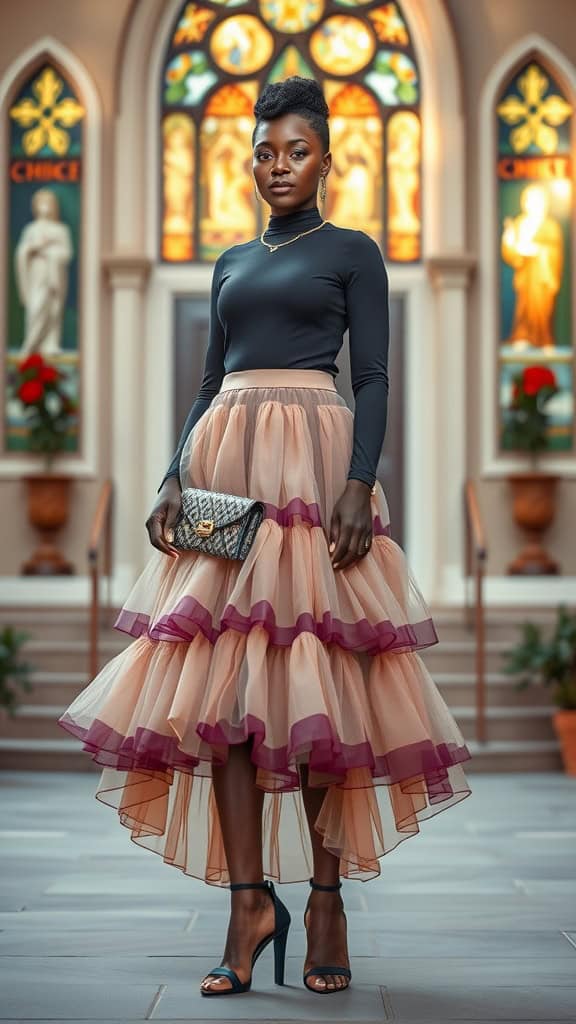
(226,214)
(42,255)
(355,167)
(225,170)
(178,160)
(532,244)
(403,163)
(355,181)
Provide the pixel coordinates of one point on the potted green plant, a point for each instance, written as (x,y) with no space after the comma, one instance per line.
(551,662)
(14,673)
(533,491)
(49,411)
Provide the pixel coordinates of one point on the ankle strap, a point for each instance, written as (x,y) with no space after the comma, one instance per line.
(250,885)
(325,888)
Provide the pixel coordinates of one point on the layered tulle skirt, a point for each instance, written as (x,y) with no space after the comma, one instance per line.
(311,665)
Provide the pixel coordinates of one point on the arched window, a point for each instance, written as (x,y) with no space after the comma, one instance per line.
(45,183)
(534,132)
(219,57)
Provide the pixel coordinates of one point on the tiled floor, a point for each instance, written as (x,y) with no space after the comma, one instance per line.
(472,920)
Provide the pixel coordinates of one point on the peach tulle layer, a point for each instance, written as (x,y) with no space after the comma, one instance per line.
(309,664)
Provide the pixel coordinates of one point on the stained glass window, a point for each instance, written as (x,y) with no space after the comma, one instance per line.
(45,170)
(535,126)
(219,57)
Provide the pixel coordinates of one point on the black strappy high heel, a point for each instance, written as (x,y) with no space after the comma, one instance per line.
(279,936)
(326,969)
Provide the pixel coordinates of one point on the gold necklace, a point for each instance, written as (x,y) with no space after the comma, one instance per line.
(272,248)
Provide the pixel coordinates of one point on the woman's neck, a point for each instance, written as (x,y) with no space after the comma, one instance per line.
(293,221)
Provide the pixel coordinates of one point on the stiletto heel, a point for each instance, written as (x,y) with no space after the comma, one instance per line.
(279,936)
(326,969)
(280,956)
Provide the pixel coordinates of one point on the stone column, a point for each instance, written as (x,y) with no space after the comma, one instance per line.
(450,274)
(128,275)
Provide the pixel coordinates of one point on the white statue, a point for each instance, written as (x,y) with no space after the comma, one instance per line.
(43,253)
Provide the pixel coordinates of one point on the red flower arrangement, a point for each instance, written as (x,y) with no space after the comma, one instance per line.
(526,421)
(533,380)
(49,409)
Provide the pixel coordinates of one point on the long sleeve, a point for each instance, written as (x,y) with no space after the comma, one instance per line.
(367,303)
(213,371)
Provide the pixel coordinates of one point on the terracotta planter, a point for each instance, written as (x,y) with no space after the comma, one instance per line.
(565,726)
(533,508)
(48,509)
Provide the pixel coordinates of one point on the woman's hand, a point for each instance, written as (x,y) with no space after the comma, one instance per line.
(163,516)
(351,525)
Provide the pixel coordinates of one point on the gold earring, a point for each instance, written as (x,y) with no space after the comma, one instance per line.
(256,193)
(323,188)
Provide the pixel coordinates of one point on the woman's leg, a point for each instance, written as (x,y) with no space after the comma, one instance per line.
(325,921)
(239,801)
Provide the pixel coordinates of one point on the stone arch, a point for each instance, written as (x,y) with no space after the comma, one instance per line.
(434,293)
(138,125)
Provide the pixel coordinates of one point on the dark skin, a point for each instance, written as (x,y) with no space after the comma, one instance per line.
(286,148)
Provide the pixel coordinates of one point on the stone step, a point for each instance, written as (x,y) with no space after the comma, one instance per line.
(500,623)
(456,688)
(40,721)
(459,656)
(70,622)
(450,658)
(508,723)
(62,623)
(501,756)
(33,722)
(45,755)
(500,689)
(54,687)
(514,756)
(70,655)
(519,722)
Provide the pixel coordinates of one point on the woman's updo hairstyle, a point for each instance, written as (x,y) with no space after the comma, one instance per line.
(295,95)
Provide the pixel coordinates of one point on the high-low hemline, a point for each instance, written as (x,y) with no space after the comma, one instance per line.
(308,664)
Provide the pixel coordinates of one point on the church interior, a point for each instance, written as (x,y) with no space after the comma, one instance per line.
(126,170)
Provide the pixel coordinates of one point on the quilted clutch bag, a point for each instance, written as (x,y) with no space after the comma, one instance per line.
(217,524)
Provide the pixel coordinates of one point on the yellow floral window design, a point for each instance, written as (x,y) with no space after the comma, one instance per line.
(535,114)
(219,56)
(47,117)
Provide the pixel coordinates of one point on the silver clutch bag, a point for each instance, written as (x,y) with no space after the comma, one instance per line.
(217,524)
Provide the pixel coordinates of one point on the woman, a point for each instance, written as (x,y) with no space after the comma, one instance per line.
(261,694)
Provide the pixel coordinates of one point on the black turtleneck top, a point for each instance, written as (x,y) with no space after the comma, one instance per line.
(290,309)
